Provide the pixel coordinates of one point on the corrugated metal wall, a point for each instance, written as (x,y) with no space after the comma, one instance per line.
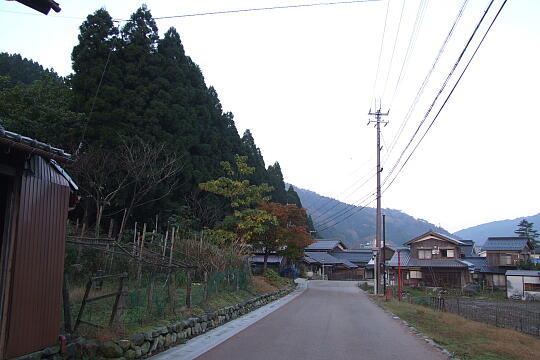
(36,291)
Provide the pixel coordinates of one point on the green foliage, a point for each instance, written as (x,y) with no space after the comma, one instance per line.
(128,83)
(15,71)
(292,197)
(275,179)
(525,229)
(238,190)
(274,279)
(528,265)
(247,221)
(41,110)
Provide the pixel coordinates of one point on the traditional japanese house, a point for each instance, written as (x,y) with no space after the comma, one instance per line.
(502,254)
(431,259)
(326,245)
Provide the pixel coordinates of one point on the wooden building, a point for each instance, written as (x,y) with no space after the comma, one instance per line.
(35,194)
(432,259)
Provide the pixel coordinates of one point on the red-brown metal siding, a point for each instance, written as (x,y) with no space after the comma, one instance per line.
(35,300)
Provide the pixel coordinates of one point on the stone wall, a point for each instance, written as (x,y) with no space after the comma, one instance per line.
(151,342)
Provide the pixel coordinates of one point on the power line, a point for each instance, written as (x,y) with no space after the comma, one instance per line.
(315,216)
(347,217)
(429,110)
(410,47)
(393,50)
(269,8)
(95,98)
(219,12)
(350,208)
(450,93)
(423,86)
(380,50)
(441,89)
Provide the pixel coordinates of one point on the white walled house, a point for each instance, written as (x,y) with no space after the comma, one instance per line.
(524,284)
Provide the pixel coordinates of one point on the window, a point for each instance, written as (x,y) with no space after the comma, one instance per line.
(424,254)
(447,253)
(415,274)
(531,287)
(506,259)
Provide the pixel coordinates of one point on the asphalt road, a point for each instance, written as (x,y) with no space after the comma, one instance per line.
(330,320)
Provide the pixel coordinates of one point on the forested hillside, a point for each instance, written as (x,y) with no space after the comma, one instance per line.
(359,229)
(143,125)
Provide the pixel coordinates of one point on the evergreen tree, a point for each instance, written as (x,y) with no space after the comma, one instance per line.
(525,229)
(22,71)
(42,111)
(94,61)
(255,159)
(292,197)
(275,179)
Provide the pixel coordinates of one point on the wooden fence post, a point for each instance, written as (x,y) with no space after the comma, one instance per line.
(172,292)
(150,295)
(67,305)
(205,286)
(120,308)
(188,290)
(80,249)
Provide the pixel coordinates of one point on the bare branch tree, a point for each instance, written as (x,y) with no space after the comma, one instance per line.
(150,166)
(101,177)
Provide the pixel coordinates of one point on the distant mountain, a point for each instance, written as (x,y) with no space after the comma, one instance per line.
(357,227)
(480,233)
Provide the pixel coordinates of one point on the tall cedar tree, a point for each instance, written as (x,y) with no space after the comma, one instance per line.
(151,90)
(275,179)
(525,229)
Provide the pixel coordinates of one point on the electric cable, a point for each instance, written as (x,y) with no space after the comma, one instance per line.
(449,95)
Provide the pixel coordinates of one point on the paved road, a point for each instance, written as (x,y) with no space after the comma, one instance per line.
(330,320)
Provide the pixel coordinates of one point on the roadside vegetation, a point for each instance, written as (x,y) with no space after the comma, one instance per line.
(468,340)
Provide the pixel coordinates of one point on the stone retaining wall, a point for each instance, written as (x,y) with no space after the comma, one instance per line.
(151,342)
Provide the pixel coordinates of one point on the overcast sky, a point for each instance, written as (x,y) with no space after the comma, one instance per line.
(303,80)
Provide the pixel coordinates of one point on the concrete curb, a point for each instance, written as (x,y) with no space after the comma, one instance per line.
(414,330)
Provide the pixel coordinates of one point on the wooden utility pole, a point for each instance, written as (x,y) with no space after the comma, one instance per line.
(377,268)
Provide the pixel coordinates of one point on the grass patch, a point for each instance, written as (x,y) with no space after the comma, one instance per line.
(274,279)
(468,340)
(136,317)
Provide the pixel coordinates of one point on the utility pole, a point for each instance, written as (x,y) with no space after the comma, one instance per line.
(384,253)
(377,269)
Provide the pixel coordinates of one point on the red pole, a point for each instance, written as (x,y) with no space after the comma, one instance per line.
(399,275)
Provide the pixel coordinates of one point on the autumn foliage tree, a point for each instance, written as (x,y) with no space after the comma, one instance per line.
(288,236)
(247,221)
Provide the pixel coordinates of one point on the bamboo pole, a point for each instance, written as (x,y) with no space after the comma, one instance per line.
(172,279)
(135,238)
(139,270)
(122,225)
(165,243)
